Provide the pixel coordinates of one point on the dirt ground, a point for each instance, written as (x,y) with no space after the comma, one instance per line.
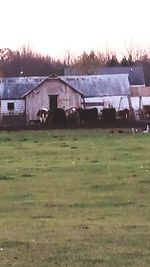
(116,124)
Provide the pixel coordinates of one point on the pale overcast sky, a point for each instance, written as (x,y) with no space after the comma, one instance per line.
(56,26)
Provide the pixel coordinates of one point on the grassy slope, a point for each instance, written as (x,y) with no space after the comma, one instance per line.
(74,198)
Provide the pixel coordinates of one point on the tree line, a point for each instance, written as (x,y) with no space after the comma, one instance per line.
(26,62)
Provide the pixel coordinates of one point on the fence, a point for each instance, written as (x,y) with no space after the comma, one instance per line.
(13,119)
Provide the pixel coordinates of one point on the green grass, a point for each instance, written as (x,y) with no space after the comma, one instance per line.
(76,198)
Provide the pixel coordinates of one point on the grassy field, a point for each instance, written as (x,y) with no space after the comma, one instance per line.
(75,198)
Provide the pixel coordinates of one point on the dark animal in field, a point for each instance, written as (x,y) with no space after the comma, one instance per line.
(108,114)
(87,115)
(124,114)
(56,117)
(111,131)
(73,118)
(59,116)
(120,131)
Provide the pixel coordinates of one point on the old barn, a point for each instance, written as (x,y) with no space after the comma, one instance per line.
(52,93)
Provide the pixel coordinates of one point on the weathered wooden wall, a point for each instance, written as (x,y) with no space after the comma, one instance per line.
(140,91)
(39,97)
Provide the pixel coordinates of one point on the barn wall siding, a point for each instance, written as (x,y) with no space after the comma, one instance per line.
(39,98)
(140,91)
(19,106)
(15,116)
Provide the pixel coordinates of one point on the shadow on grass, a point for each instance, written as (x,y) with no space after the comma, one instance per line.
(5,177)
(145,181)
(103,188)
(14,244)
(4,139)
(27,175)
(104,204)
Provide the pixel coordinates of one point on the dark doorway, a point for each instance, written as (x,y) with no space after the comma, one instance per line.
(53,102)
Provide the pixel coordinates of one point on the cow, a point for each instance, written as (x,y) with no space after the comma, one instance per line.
(56,117)
(87,115)
(42,115)
(124,114)
(72,116)
(108,114)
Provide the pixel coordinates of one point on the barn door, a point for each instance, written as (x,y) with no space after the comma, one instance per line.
(53,102)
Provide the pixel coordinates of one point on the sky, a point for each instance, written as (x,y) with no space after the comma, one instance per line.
(59,27)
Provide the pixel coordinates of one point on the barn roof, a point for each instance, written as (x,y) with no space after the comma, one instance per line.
(16,87)
(54,77)
(88,85)
(136,73)
(100,85)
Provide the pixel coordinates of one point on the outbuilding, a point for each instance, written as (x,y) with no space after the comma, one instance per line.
(52,93)
(12,105)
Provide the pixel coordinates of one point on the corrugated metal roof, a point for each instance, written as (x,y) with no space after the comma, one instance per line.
(136,74)
(51,78)
(89,85)
(100,85)
(15,88)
